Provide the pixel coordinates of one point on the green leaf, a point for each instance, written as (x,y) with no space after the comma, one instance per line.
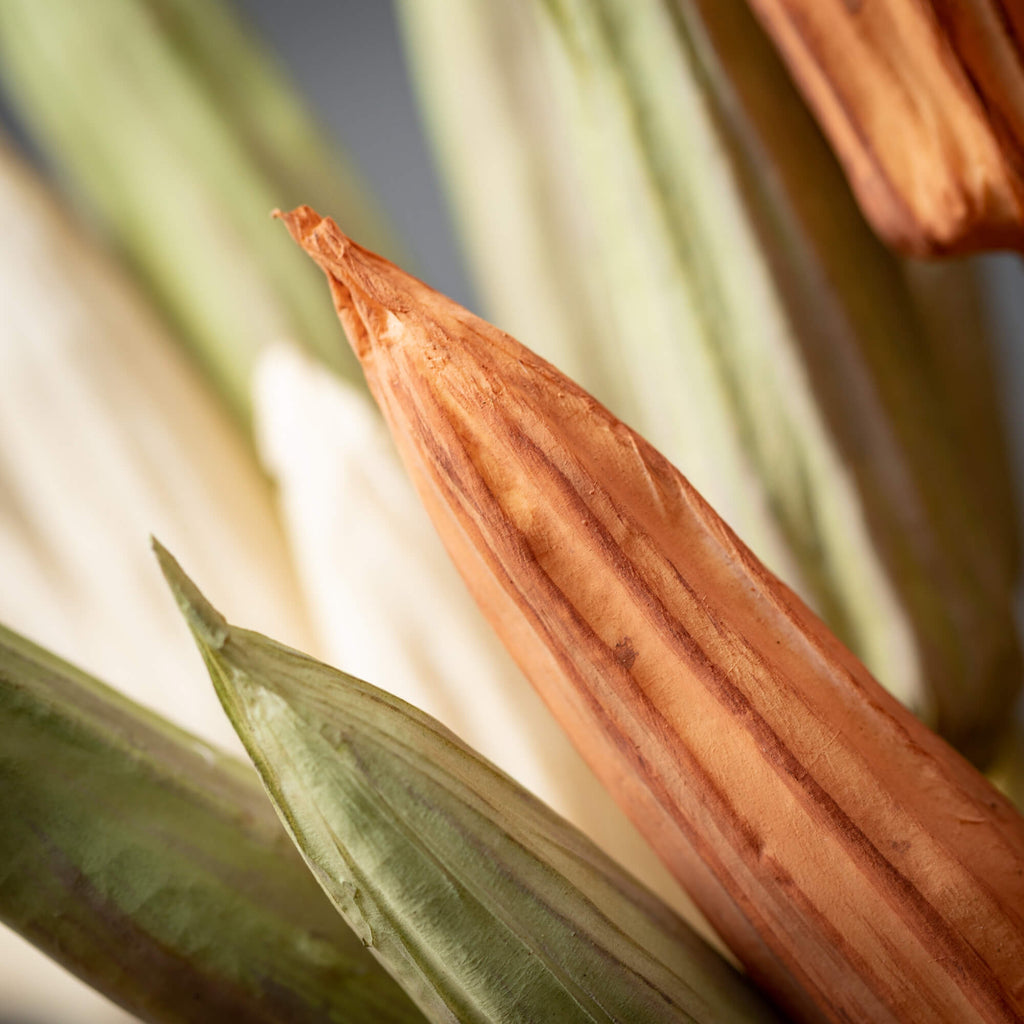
(482,902)
(154,868)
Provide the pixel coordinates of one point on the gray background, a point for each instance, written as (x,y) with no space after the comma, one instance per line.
(346,57)
(353,70)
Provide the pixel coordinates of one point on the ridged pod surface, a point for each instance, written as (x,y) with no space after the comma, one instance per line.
(391,607)
(922,101)
(857,865)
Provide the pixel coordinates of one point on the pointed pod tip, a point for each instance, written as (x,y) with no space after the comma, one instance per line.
(302,222)
(208,626)
(321,238)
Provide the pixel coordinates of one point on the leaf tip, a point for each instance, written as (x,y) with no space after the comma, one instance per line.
(209,627)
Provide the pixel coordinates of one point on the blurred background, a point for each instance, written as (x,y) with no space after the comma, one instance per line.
(352,70)
(354,73)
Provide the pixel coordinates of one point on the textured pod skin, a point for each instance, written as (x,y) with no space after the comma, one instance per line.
(921,102)
(154,868)
(857,865)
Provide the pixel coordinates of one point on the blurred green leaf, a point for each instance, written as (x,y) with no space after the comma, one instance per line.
(154,868)
(178,134)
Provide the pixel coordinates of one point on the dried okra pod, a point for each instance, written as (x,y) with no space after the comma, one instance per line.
(856,864)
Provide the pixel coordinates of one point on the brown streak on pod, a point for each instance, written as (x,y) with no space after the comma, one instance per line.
(858,866)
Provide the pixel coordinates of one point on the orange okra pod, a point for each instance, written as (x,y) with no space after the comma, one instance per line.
(921,100)
(858,866)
